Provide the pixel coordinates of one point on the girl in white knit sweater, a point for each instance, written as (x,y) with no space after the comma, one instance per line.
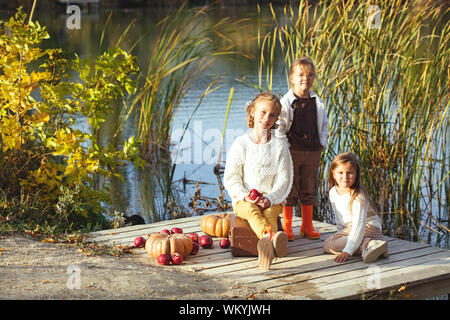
(358,224)
(259,160)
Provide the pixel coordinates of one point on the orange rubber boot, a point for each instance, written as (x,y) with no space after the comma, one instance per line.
(307,229)
(287,222)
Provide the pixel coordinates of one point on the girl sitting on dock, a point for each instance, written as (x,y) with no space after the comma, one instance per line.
(358,224)
(259,160)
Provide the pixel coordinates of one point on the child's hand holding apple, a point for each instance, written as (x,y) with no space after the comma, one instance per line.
(254,196)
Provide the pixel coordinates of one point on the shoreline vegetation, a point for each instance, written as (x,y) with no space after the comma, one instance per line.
(385,87)
(387,93)
(5,4)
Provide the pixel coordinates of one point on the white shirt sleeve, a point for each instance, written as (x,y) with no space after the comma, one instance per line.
(283,120)
(283,178)
(356,235)
(338,219)
(324,132)
(233,174)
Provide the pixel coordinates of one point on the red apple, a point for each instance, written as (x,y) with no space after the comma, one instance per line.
(176,230)
(165,231)
(177,258)
(193,236)
(139,242)
(224,243)
(164,259)
(206,241)
(254,194)
(195,248)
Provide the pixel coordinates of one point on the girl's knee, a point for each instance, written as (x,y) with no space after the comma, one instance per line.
(326,245)
(329,243)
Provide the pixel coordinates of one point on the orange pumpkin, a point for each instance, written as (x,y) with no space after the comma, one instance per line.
(161,243)
(216,225)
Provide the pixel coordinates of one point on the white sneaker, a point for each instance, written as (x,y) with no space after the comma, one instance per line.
(373,250)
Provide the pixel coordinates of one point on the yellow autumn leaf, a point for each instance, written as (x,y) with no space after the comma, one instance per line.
(48,240)
(69,170)
(43,117)
(401,289)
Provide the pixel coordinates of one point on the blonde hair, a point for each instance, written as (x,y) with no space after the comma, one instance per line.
(358,190)
(266,96)
(303,61)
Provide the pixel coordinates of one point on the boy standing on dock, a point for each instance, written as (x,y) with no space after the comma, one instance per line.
(303,123)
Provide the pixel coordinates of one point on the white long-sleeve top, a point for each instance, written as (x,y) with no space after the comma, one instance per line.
(357,219)
(287,116)
(264,167)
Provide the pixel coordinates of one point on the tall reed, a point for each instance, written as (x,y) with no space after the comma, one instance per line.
(186,45)
(183,50)
(386,91)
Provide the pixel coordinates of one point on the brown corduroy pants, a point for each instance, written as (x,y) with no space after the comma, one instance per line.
(304,187)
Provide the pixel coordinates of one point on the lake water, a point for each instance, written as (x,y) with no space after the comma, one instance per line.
(139,193)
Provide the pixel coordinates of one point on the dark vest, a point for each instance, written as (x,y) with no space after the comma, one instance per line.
(303,134)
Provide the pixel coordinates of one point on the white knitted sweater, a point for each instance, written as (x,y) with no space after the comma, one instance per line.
(357,219)
(264,167)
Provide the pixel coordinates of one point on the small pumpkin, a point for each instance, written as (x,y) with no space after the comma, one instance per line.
(216,225)
(161,243)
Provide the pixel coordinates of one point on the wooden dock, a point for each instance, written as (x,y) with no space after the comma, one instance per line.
(412,270)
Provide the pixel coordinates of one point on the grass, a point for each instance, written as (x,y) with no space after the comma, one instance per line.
(386,91)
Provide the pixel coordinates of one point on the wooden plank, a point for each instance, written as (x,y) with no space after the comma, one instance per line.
(128,237)
(295,257)
(307,272)
(334,272)
(155,225)
(216,253)
(301,247)
(229,263)
(432,287)
(416,270)
(311,261)
(188,223)
(237,263)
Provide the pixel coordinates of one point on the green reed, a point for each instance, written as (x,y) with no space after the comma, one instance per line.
(182,51)
(185,46)
(386,90)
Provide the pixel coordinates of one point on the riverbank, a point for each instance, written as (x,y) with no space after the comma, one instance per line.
(35,270)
